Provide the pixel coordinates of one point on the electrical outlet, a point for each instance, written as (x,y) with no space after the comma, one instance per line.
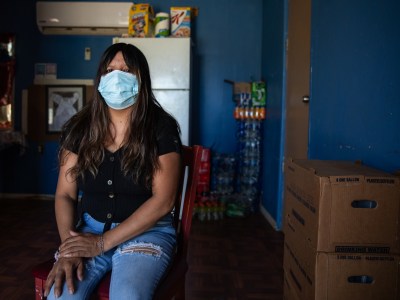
(88,53)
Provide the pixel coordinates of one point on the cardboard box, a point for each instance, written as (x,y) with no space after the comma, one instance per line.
(289,292)
(340,206)
(141,20)
(339,276)
(242,93)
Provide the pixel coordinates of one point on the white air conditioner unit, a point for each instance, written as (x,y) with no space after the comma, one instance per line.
(83,18)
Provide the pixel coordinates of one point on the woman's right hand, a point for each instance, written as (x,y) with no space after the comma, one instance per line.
(63,270)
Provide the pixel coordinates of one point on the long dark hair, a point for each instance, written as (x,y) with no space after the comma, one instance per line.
(88,130)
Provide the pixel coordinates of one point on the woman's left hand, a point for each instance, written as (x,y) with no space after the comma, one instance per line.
(81,245)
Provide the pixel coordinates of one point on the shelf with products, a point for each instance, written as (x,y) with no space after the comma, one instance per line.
(234,188)
(249,112)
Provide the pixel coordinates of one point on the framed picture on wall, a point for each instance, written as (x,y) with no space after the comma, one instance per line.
(62,103)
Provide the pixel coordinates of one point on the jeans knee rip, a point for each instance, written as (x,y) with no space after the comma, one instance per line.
(89,263)
(143,248)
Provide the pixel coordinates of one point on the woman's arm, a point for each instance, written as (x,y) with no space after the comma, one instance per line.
(66,196)
(65,203)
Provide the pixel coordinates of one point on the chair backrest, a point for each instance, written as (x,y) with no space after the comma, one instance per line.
(191,157)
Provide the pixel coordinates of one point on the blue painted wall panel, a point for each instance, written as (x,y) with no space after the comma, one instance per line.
(273,73)
(354,109)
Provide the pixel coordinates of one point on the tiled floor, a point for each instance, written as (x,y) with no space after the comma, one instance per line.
(230,259)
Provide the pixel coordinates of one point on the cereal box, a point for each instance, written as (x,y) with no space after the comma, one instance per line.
(180,21)
(141,20)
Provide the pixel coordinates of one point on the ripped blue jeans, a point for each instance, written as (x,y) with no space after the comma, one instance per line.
(137,265)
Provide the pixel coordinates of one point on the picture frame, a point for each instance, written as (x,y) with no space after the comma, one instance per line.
(62,102)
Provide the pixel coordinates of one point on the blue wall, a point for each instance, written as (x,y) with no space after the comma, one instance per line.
(355,102)
(273,62)
(227,39)
(355,99)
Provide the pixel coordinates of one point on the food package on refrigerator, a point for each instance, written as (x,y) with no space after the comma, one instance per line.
(141,20)
(162,25)
(181,21)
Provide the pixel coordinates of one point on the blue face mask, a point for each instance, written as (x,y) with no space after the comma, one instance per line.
(119,89)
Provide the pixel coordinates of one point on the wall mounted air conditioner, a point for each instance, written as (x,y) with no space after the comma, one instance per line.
(88,18)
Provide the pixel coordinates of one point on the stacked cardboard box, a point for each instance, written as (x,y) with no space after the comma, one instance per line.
(341,232)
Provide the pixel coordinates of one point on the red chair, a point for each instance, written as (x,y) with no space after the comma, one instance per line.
(173,285)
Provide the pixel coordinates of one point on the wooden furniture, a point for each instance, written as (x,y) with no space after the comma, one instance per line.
(173,285)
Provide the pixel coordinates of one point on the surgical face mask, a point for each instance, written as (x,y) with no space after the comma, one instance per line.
(119,89)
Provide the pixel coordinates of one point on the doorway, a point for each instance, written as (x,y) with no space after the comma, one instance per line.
(297,79)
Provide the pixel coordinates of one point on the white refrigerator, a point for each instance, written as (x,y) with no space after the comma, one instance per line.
(170,70)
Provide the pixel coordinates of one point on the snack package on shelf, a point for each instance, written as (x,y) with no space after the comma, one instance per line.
(181,21)
(141,20)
